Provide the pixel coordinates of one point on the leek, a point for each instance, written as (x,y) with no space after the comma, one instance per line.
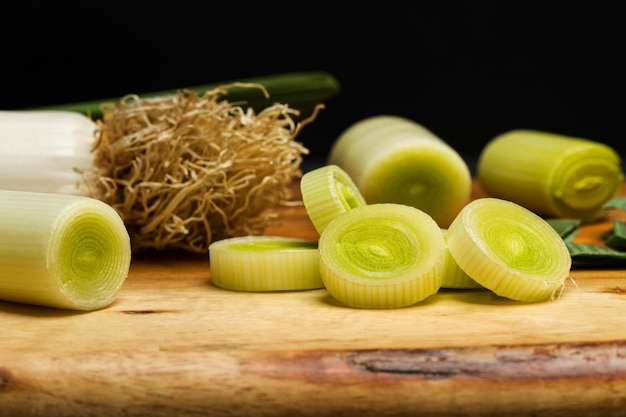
(509,250)
(453,276)
(382,256)
(552,175)
(396,160)
(265,263)
(60,250)
(327,192)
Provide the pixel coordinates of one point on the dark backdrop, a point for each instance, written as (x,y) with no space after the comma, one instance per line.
(466,70)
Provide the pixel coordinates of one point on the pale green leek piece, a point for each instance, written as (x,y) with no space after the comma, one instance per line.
(382,255)
(454,277)
(327,192)
(552,175)
(265,263)
(62,251)
(509,250)
(396,160)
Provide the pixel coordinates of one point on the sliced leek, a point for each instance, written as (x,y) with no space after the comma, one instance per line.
(509,250)
(265,263)
(552,175)
(453,276)
(328,192)
(62,251)
(395,160)
(382,256)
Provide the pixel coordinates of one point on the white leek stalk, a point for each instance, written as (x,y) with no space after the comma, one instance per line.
(552,175)
(509,250)
(265,263)
(327,192)
(61,250)
(396,160)
(382,256)
(41,151)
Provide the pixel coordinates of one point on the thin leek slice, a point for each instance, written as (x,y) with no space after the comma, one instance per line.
(509,250)
(382,256)
(265,263)
(328,192)
(454,277)
(62,251)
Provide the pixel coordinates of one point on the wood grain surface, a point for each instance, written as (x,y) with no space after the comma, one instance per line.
(172,344)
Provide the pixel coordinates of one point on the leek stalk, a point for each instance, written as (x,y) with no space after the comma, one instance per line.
(552,175)
(395,160)
(60,250)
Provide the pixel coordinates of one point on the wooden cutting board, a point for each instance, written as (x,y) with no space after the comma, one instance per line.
(172,344)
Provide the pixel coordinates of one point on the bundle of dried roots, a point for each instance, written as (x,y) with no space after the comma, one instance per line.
(187,170)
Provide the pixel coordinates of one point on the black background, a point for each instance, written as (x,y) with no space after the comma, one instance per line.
(465,70)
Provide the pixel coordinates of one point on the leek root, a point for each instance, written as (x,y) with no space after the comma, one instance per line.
(60,250)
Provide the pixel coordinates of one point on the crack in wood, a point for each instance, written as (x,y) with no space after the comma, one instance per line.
(520,362)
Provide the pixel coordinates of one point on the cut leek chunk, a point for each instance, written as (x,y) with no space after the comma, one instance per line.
(60,250)
(509,250)
(382,256)
(328,192)
(396,160)
(265,263)
(552,175)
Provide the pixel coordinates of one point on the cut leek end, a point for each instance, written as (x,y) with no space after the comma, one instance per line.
(327,192)
(265,263)
(382,256)
(509,250)
(454,277)
(89,254)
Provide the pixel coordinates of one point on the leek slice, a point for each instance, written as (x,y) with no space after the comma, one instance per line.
(328,192)
(453,276)
(61,250)
(509,250)
(265,263)
(552,175)
(396,160)
(382,256)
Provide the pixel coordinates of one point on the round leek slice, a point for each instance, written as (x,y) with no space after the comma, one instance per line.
(509,250)
(327,192)
(552,175)
(265,263)
(382,256)
(454,277)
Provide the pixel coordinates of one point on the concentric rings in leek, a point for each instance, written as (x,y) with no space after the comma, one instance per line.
(89,256)
(509,250)
(382,256)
